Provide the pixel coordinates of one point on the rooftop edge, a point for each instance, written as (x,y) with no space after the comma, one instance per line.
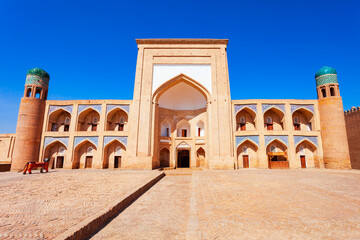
(182,41)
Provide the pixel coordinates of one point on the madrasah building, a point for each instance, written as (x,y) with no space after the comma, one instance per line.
(181,116)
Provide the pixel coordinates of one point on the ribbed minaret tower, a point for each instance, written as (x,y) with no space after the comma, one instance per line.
(333,130)
(30,119)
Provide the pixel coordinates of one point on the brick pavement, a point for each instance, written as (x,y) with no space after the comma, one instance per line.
(245,204)
(42,206)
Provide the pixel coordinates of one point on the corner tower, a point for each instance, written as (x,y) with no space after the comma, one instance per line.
(333,130)
(30,119)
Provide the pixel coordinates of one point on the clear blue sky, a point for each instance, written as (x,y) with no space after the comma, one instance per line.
(275,47)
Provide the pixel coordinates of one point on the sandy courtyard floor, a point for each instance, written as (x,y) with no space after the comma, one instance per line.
(245,204)
(241,204)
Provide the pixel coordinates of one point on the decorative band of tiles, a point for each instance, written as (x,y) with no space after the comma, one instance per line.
(241,139)
(50,140)
(239,107)
(265,107)
(326,79)
(96,107)
(298,139)
(37,80)
(123,140)
(93,140)
(124,107)
(295,107)
(282,138)
(53,108)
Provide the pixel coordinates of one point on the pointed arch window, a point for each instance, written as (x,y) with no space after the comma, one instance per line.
(296,124)
(273,149)
(242,124)
(245,150)
(269,123)
(66,124)
(61,151)
(89,151)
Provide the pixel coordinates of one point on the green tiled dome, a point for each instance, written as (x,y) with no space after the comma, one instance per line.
(39,72)
(326,75)
(325,70)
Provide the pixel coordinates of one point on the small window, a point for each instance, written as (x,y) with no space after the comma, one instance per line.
(269,120)
(296,120)
(54,127)
(167,132)
(28,92)
(62,151)
(118,150)
(122,120)
(332,91)
(89,151)
(323,92)
(95,120)
(183,133)
(245,150)
(38,93)
(242,120)
(272,149)
(301,150)
(67,121)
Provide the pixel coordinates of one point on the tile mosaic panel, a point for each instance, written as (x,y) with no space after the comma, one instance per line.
(96,107)
(124,107)
(50,140)
(239,107)
(93,140)
(326,79)
(53,108)
(282,138)
(281,107)
(295,107)
(298,139)
(36,80)
(241,139)
(123,140)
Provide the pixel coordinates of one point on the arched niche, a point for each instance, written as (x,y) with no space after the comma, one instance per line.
(307,154)
(303,120)
(114,153)
(84,154)
(183,128)
(200,158)
(165,128)
(246,119)
(59,121)
(277,145)
(247,155)
(274,119)
(117,120)
(164,158)
(88,120)
(55,153)
(200,129)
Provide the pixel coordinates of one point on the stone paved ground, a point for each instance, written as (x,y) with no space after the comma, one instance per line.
(245,204)
(42,206)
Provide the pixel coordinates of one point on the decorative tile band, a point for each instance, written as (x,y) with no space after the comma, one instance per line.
(281,107)
(282,138)
(53,108)
(298,139)
(295,107)
(32,79)
(50,140)
(326,79)
(123,140)
(241,139)
(239,107)
(93,140)
(96,107)
(124,107)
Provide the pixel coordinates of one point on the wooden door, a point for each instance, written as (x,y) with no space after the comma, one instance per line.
(183,133)
(117,162)
(270,126)
(88,161)
(59,162)
(297,127)
(66,128)
(242,126)
(245,161)
(121,127)
(303,161)
(94,127)
(199,132)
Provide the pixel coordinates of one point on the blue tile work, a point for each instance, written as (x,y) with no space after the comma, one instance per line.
(298,139)
(53,108)
(123,140)
(239,107)
(124,107)
(96,107)
(295,107)
(326,79)
(282,138)
(78,140)
(281,107)
(241,139)
(49,140)
(36,80)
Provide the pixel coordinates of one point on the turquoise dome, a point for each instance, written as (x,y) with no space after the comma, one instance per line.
(39,72)
(325,70)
